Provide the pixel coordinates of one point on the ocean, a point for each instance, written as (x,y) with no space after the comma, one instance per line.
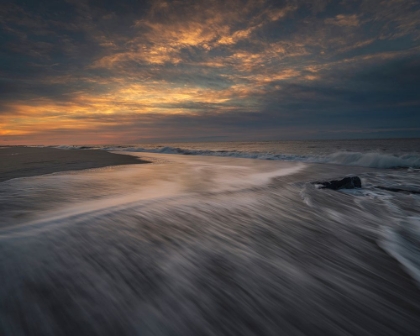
(377,153)
(230,238)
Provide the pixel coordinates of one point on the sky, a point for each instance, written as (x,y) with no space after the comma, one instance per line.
(108,72)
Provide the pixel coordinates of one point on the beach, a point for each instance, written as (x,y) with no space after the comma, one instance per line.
(21,161)
(193,245)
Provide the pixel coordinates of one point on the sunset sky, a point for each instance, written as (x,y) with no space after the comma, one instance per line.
(88,72)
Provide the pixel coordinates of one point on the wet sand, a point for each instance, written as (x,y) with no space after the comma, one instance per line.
(19,161)
(205,246)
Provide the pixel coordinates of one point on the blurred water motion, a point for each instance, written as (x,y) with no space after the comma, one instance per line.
(209,246)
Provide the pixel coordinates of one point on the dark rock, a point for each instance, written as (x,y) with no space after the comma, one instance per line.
(349,182)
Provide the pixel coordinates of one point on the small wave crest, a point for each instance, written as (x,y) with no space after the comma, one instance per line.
(372,159)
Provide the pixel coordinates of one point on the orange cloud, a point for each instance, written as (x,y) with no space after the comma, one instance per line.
(190,57)
(195,25)
(344,20)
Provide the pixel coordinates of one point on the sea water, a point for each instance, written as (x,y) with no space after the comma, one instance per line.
(217,243)
(379,153)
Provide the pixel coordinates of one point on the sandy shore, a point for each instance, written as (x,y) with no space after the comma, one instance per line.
(29,161)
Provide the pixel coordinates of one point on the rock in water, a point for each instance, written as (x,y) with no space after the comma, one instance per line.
(349,182)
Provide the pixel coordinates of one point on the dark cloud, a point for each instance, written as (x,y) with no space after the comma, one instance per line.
(240,69)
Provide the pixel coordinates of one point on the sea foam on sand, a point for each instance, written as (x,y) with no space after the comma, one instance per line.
(193,245)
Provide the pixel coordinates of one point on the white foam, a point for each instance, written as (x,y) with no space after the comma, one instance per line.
(406,253)
(373,160)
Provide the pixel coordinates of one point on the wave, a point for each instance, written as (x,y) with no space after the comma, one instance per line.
(402,243)
(375,160)
(167,238)
(372,160)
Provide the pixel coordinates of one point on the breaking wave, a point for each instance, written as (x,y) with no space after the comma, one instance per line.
(372,160)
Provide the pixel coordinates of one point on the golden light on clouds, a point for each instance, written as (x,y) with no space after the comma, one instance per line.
(108,69)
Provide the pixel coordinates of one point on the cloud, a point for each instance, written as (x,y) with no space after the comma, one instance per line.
(344,20)
(163,69)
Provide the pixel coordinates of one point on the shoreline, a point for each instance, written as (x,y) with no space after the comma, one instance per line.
(222,224)
(21,161)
